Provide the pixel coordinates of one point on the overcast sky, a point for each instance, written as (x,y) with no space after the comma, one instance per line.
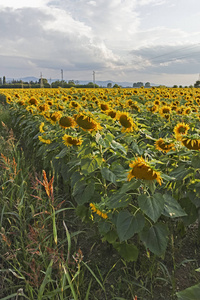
(121,40)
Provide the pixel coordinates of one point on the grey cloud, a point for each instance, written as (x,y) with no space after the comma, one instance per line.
(168,59)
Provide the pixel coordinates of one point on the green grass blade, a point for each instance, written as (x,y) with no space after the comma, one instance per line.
(45,281)
(99,282)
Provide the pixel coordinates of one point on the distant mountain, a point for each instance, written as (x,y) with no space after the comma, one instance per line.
(82,82)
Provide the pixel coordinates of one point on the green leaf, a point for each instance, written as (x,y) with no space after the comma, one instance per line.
(62,153)
(103,226)
(191,293)
(194,198)
(108,175)
(89,165)
(130,186)
(83,193)
(181,172)
(117,146)
(155,238)
(172,208)
(152,206)
(128,224)
(110,236)
(118,200)
(190,209)
(129,252)
(119,171)
(46,280)
(196,161)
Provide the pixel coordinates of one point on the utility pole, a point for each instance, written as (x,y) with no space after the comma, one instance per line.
(62,76)
(94,78)
(41,81)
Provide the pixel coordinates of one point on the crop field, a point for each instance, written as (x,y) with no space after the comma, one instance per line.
(126,161)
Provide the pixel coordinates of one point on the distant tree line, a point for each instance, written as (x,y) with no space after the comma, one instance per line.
(43,83)
(140,84)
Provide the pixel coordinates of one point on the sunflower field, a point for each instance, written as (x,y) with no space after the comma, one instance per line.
(127,158)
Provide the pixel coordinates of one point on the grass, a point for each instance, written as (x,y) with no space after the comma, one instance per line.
(47,253)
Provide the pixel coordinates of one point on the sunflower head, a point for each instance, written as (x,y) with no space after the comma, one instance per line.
(33,101)
(142,170)
(43,107)
(126,121)
(191,142)
(86,122)
(165,111)
(181,129)
(71,141)
(66,122)
(104,106)
(164,145)
(74,104)
(55,116)
(112,114)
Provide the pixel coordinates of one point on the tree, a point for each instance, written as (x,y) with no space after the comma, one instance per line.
(0,81)
(109,85)
(147,84)
(116,86)
(4,80)
(197,84)
(138,84)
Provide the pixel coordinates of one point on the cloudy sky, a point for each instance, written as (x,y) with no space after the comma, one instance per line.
(121,40)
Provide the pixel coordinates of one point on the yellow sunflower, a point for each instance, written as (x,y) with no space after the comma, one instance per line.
(191,142)
(126,121)
(104,106)
(164,145)
(43,107)
(181,129)
(71,141)
(142,170)
(55,116)
(33,101)
(112,114)
(97,211)
(44,141)
(87,123)
(165,111)
(74,104)
(66,122)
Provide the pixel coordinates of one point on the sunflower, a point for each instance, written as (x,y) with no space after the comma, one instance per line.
(21,102)
(112,114)
(104,106)
(86,122)
(187,111)
(66,122)
(191,142)
(97,211)
(44,141)
(33,101)
(71,141)
(165,111)
(181,129)
(126,121)
(55,116)
(142,170)
(164,145)
(43,107)
(41,127)
(153,108)
(74,104)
